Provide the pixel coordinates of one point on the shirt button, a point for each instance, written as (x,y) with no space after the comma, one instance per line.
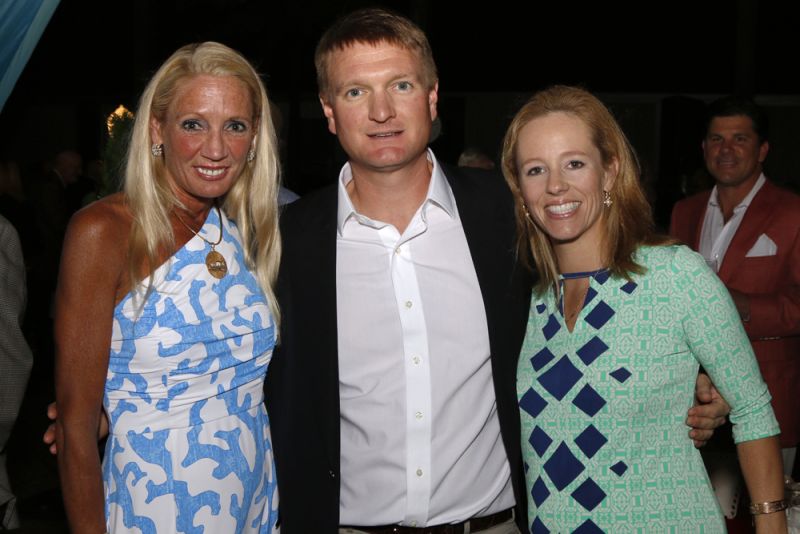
(332,474)
(418,415)
(408,304)
(419,472)
(416,360)
(398,250)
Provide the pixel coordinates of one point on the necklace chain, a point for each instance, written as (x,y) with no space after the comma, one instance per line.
(219,240)
(215,262)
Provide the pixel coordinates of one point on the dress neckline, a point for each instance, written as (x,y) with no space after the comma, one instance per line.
(584,274)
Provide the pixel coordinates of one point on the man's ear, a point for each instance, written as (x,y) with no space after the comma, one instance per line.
(433,100)
(763,150)
(327,110)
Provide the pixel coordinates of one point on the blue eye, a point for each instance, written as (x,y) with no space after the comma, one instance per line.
(352,93)
(404,86)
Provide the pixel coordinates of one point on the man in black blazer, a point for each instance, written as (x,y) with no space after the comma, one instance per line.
(392,395)
(331,421)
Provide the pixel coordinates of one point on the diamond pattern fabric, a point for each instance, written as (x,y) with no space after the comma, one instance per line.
(603,407)
(560,378)
(540,441)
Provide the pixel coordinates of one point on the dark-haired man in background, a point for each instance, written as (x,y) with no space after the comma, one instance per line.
(748,229)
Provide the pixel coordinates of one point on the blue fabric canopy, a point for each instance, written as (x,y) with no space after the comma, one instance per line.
(21,25)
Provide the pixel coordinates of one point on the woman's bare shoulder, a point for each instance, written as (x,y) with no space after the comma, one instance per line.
(106,219)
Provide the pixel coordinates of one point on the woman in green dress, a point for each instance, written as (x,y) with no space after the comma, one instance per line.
(619,323)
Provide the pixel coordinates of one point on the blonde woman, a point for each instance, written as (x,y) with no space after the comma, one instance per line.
(619,322)
(166,317)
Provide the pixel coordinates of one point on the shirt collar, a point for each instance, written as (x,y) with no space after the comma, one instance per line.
(439,194)
(713,200)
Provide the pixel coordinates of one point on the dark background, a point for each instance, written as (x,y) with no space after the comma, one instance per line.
(655,47)
(654,63)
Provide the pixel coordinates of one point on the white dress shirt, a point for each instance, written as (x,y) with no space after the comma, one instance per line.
(420,436)
(716,235)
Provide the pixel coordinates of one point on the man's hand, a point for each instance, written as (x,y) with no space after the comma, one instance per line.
(709,411)
(49,436)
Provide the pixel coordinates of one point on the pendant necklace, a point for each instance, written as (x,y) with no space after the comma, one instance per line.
(215,262)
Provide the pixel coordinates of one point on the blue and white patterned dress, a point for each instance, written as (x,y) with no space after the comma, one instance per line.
(189,449)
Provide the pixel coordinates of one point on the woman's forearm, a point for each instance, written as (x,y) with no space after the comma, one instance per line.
(81,482)
(762,468)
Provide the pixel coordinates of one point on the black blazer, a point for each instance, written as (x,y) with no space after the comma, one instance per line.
(302,388)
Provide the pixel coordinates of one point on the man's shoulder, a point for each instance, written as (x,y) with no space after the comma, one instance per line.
(310,210)
(693,202)
(784,199)
(687,214)
(776,208)
(480,182)
(6,226)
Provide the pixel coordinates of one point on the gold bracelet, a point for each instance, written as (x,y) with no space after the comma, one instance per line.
(768,507)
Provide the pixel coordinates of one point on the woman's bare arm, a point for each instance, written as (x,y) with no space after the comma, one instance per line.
(91,268)
(762,468)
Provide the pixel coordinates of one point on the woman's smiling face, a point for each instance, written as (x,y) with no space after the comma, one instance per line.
(207,132)
(562,177)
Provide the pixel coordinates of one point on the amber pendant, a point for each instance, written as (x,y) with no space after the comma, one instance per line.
(215,263)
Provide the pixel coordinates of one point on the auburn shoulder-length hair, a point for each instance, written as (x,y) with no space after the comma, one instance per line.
(252,201)
(628,221)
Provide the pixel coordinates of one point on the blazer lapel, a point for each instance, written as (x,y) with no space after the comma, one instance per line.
(313,300)
(322,265)
(755,220)
(482,238)
(697,222)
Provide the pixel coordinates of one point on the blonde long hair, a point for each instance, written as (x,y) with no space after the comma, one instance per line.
(252,201)
(628,221)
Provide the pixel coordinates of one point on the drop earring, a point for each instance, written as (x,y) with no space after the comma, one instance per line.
(527,213)
(607,199)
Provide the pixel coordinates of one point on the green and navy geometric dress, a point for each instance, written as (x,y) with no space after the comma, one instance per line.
(603,408)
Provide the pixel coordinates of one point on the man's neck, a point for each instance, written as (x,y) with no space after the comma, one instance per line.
(391,196)
(729,196)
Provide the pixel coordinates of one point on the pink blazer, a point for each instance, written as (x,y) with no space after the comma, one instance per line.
(773,284)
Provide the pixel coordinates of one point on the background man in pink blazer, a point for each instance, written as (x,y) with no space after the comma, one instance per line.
(748,229)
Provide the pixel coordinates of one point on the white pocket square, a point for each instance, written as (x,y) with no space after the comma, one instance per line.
(763,247)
